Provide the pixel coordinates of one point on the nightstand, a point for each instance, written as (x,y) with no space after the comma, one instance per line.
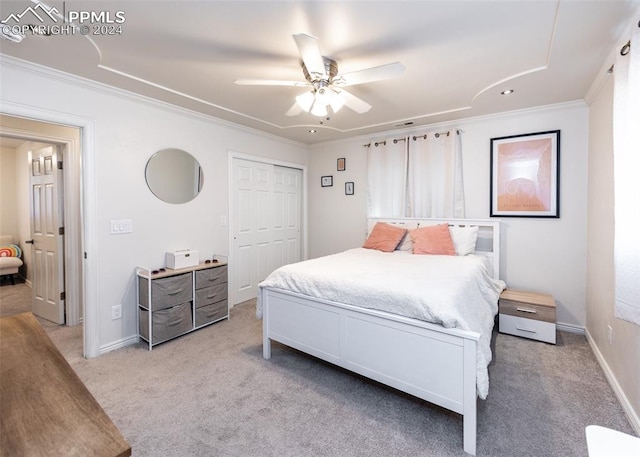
(528,314)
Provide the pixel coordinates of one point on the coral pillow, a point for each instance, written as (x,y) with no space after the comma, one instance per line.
(434,239)
(384,237)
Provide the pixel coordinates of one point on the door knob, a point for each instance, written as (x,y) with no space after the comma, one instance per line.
(29,241)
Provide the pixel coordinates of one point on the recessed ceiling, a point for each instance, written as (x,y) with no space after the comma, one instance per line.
(459,55)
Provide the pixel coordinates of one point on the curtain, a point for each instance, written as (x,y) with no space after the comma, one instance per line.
(435,176)
(387,178)
(626,159)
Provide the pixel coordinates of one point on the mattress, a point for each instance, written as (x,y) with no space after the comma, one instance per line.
(453,291)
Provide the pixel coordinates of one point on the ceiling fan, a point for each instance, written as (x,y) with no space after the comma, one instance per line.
(321,74)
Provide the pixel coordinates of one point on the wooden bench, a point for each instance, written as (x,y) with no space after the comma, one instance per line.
(45,409)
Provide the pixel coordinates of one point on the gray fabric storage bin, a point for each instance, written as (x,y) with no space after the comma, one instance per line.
(167,323)
(211,276)
(166,292)
(210,295)
(211,313)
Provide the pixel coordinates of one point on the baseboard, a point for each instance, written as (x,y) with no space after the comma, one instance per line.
(118,344)
(622,398)
(570,328)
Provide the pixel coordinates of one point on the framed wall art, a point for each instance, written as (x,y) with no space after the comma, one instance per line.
(525,175)
(348,188)
(326,181)
(342,164)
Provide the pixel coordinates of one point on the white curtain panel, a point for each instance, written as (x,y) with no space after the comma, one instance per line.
(626,156)
(435,176)
(387,178)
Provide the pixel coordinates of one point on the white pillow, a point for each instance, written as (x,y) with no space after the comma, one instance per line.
(464,239)
(406,244)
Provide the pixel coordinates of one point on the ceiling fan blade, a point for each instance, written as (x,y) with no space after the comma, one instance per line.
(310,53)
(269,82)
(388,71)
(355,103)
(294,110)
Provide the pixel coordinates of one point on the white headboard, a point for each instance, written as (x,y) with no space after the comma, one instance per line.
(488,244)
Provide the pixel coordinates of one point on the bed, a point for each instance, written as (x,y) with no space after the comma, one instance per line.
(334,308)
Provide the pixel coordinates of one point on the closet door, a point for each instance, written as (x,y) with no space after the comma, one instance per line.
(266,218)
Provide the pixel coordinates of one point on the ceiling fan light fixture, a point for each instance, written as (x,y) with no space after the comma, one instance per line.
(305,101)
(319,109)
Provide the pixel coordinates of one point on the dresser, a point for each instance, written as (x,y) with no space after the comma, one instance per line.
(528,314)
(175,302)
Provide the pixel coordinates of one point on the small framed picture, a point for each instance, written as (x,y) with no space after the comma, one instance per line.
(342,164)
(326,181)
(348,188)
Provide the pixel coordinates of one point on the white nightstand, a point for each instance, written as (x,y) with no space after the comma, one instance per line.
(528,314)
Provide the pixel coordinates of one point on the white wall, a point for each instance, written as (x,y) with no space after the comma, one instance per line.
(8,203)
(128,130)
(545,255)
(337,221)
(621,358)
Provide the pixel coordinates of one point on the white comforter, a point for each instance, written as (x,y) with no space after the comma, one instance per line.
(456,292)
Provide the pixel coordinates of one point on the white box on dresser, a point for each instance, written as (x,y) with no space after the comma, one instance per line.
(528,314)
(182,259)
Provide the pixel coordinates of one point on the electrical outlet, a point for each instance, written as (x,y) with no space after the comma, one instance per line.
(116,312)
(610,334)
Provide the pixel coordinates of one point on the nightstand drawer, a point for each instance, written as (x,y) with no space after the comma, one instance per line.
(528,328)
(528,310)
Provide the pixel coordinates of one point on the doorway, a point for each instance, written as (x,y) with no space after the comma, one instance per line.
(69,141)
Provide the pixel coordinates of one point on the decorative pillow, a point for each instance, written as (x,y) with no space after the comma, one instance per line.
(464,239)
(384,237)
(406,244)
(433,239)
(10,250)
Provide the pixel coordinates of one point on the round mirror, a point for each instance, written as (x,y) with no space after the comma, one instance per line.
(174,176)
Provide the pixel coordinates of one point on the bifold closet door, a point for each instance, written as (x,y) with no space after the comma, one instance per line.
(266,218)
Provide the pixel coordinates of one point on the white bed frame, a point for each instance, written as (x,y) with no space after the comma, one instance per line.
(426,360)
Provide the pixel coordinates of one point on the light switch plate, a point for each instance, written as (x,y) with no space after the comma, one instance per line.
(121,226)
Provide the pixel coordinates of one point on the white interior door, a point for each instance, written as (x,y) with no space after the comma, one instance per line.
(267,215)
(45,183)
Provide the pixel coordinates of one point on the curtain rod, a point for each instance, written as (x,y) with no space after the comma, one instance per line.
(415,137)
(437,134)
(624,50)
(383,142)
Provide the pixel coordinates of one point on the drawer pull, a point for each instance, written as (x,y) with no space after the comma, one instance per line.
(175,292)
(525,330)
(527,310)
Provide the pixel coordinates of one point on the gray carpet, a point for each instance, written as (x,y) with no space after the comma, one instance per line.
(210,393)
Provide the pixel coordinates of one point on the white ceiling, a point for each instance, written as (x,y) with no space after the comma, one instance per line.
(459,56)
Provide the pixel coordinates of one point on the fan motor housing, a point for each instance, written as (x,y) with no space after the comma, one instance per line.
(330,68)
